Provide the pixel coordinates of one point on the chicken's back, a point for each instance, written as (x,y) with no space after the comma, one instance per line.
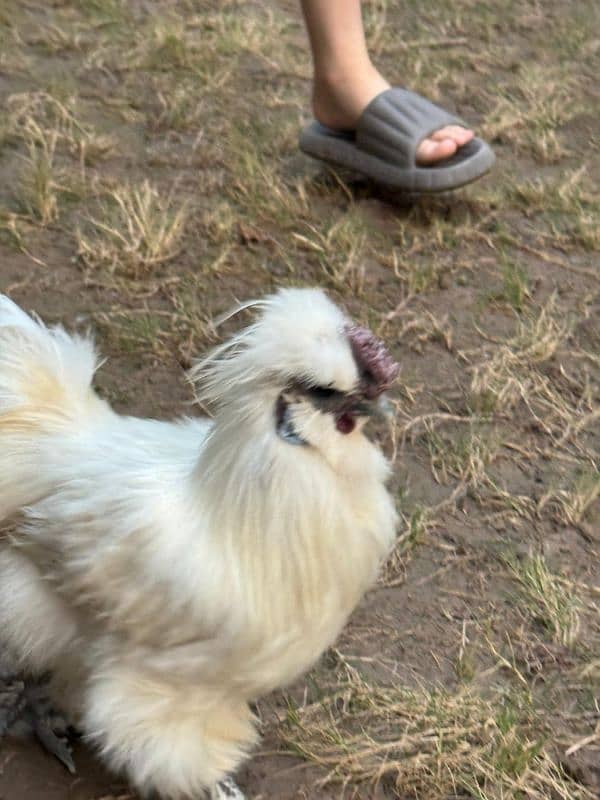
(98,494)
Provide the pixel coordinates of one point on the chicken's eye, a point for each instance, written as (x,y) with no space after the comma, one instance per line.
(323,392)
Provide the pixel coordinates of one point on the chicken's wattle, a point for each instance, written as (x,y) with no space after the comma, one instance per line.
(346,423)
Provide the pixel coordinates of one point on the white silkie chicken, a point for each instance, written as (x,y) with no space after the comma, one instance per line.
(168,573)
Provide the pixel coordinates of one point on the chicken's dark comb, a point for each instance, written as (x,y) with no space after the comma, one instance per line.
(377,367)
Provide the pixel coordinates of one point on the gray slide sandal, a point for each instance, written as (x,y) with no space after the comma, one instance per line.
(385,142)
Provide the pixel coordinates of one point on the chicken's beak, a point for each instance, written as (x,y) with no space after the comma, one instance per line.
(378,408)
(357,404)
(361,406)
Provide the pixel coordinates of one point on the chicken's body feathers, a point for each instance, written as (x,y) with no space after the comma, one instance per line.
(171,572)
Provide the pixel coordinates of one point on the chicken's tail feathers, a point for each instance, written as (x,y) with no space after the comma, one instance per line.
(45,389)
(42,368)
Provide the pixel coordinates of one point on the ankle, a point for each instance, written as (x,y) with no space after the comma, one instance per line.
(341,94)
(335,78)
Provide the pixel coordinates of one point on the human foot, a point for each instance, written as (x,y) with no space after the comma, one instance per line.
(339,100)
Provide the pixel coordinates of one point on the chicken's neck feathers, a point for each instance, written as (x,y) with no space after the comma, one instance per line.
(285,520)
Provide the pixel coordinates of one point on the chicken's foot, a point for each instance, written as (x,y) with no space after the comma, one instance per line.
(227,789)
(25,708)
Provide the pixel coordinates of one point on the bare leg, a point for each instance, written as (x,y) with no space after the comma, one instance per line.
(345,80)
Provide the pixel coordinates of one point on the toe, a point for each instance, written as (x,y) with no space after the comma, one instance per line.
(54,743)
(431,150)
(457,133)
(227,789)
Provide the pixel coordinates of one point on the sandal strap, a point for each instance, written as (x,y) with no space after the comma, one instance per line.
(396,121)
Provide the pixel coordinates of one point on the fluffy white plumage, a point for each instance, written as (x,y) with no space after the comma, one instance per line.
(168,573)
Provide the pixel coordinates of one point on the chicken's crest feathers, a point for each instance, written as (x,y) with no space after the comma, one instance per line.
(298,334)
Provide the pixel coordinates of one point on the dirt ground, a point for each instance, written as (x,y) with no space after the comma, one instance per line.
(150,177)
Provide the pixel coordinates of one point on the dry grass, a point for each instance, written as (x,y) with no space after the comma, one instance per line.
(137,331)
(510,372)
(570,504)
(515,285)
(261,193)
(415,524)
(41,115)
(139,228)
(464,457)
(341,251)
(429,743)
(549,601)
(37,191)
(529,115)
(568,203)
